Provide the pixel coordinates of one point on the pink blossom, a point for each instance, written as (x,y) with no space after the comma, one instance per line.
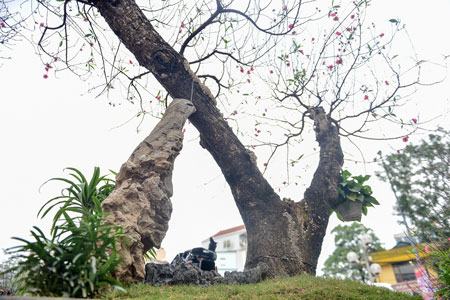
(405,139)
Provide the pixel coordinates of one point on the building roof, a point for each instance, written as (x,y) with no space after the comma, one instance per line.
(229,230)
(397,254)
(402,244)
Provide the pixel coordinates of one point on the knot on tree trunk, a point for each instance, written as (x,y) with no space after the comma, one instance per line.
(165,63)
(140,203)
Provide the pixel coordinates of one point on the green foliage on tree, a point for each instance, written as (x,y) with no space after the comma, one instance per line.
(346,239)
(79,256)
(419,176)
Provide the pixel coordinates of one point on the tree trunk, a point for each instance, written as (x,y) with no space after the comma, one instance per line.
(287,236)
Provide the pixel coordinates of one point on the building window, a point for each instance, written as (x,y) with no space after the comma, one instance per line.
(404,271)
(243,240)
(227,244)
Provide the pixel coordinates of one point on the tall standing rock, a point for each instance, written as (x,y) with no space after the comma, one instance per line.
(140,203)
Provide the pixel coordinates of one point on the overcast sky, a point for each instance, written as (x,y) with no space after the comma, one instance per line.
(49,124)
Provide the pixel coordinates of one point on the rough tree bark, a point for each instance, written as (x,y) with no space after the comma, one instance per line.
(285,235)
(140,203)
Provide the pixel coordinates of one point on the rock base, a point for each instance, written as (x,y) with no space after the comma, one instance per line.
(6,292)
(188,273)
(182,273)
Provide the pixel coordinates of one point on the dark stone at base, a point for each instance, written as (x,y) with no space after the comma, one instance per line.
(6,292)
(157,273)
(182,273)
(249,276)
(188,273)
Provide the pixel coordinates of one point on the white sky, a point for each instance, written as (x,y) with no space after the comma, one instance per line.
(46,125)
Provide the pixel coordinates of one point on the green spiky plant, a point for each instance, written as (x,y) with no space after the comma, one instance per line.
(79,256)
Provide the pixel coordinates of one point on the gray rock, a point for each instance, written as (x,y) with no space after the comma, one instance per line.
(158,274)
(140,203)
(181,273)
(254,275)
(6,291)
(188,273)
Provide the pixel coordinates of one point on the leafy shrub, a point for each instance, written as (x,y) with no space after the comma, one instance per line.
(353,188)
(78,258)
(441,262)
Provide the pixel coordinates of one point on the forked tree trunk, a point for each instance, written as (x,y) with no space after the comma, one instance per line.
(286,236)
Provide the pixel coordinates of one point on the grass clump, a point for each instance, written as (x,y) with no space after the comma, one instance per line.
(299,287)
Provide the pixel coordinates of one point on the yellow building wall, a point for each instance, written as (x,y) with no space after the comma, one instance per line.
(387,274)
(387,257)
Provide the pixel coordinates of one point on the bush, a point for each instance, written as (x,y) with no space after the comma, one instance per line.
(441,262)
(79,257)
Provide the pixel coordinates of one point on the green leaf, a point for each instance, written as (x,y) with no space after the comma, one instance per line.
(372,200)
(355,188)
(364,210)
(352,196)
(346,174)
